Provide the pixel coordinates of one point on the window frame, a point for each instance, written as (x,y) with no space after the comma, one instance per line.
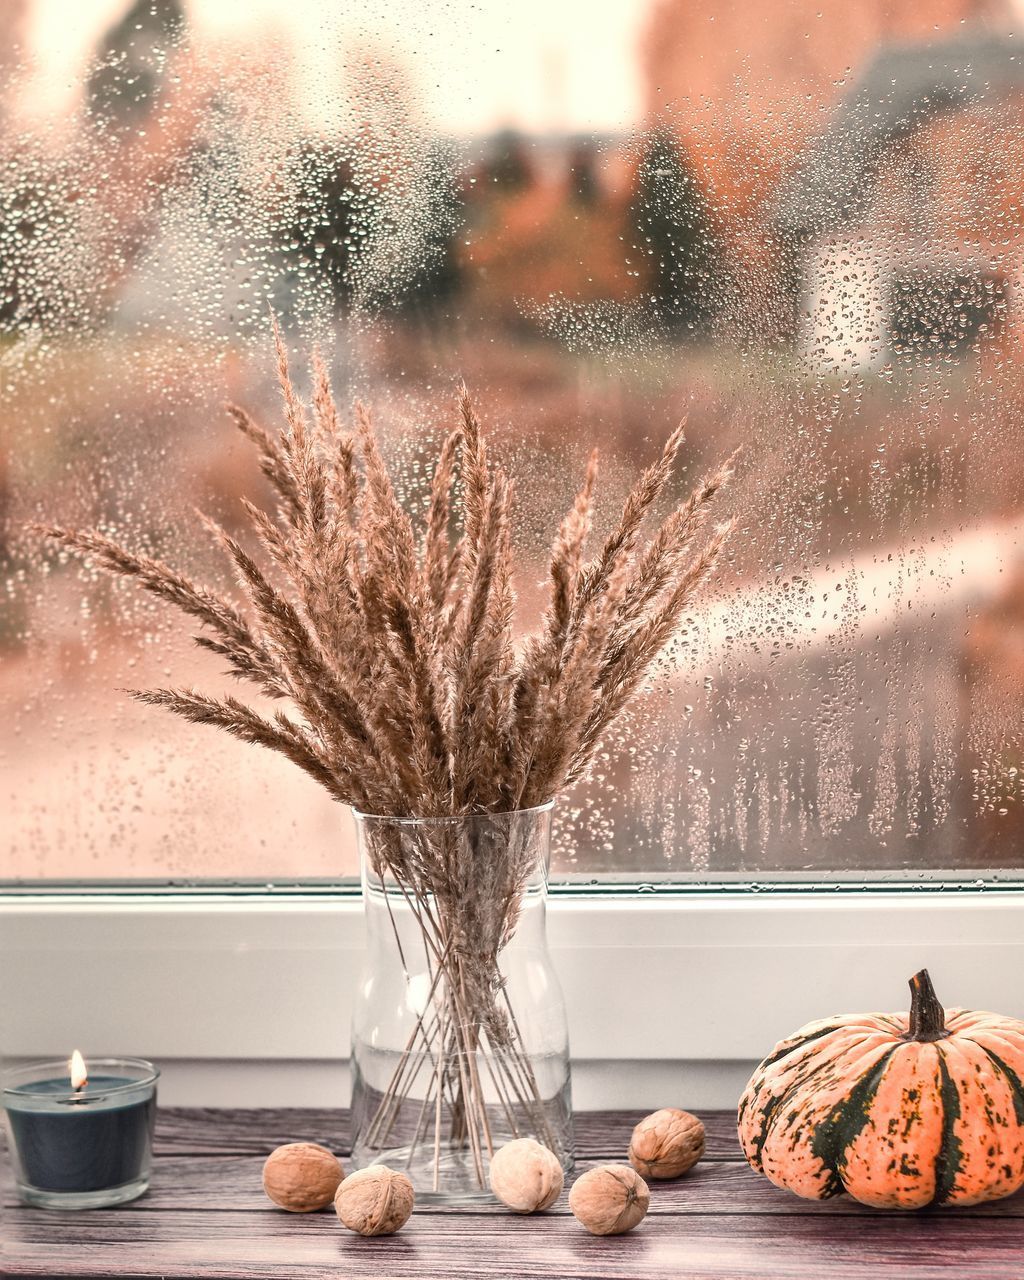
(672,983)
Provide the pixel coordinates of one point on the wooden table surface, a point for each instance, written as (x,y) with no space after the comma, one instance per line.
(206,1215)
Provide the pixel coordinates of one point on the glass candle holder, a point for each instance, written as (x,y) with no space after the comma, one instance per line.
(81,1149)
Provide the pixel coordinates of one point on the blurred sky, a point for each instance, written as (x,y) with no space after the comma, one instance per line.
(533,64)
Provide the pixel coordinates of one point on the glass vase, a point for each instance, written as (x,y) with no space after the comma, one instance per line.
(460,1041)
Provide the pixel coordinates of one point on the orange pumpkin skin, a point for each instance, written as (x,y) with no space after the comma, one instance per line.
(899,1110)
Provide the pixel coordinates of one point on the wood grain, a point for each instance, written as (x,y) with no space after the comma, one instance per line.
(233,1245)
(206,1216)
(233,1183)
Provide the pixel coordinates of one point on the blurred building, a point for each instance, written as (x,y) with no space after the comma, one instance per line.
(865,227)
(902,215)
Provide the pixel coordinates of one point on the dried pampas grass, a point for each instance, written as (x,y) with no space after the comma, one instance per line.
(395,646)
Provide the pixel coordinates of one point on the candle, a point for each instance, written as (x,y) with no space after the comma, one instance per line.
(81,1137)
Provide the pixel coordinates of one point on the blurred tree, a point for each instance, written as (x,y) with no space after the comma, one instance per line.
(328,223)
(124,83)
(23,221)
(12,53)
(584,187)
(338,222)
(436,277)
(17,218)
(674,230)
(507,165)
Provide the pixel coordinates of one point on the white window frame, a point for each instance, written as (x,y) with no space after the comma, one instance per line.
(246,999)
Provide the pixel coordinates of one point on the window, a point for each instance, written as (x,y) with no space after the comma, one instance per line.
(797,226)
(603,222)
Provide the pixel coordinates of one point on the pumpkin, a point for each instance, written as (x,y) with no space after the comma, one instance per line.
(899,1110)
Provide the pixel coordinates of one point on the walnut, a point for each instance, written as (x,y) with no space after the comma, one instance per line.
(301,1177)
(666,1144)
(375,1201)
(526,1176)
(609,1199)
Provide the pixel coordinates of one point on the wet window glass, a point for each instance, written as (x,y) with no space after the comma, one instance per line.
(799,226)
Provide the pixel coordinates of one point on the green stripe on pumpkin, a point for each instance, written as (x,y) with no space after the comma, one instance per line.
(796,1046)
(1013,1079)
(845,1122)
(775,1104)
(769,1111)
(950,1157)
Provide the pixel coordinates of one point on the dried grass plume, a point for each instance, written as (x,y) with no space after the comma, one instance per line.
(394,645)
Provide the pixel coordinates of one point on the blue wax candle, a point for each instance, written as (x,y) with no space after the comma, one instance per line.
(87,1146)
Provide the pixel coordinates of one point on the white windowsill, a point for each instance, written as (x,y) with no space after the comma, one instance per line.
(249,1000)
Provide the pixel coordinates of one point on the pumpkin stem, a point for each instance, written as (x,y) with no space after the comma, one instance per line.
(927,1016)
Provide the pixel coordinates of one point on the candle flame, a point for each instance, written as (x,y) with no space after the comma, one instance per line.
(77,1071)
